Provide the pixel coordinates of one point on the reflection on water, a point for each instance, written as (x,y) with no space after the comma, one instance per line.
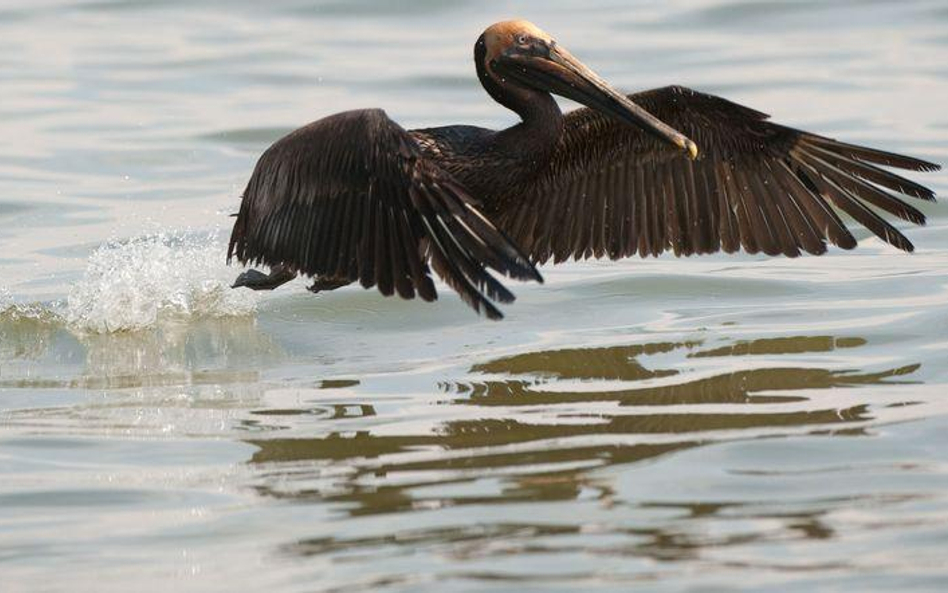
(743,386)
(616,362)
(211,351)
(792,345)
(548,465)
(545,440)
(25,333)
(667,543)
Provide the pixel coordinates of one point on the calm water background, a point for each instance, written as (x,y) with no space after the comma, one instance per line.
(706,424)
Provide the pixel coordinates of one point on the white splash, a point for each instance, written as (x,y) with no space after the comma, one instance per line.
(137,283)
(13,311)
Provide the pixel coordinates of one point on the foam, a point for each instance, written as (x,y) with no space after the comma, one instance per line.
(12,311)
(138,283)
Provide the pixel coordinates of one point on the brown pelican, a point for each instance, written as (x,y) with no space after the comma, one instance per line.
(354,196)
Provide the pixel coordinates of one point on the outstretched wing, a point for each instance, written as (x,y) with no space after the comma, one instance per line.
(612,190)
(351,196)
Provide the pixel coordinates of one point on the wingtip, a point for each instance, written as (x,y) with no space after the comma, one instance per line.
(926,166)
(531,273)
(492,312)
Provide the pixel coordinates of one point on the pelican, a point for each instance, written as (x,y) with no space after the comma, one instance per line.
(356,197)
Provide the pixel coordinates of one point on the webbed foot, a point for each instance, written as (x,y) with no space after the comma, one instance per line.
(321,284)
(256,280)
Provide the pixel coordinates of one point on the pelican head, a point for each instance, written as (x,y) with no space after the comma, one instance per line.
(520,53)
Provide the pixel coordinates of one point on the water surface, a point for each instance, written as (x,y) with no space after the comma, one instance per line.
(721,423)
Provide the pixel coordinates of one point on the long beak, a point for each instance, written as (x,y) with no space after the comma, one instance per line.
(560,73)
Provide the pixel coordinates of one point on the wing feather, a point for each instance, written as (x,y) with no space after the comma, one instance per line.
(728,227)
(756,185)
(352,197)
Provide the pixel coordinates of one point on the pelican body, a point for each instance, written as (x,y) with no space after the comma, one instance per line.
(355,197)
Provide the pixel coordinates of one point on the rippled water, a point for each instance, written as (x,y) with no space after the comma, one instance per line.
(716,423)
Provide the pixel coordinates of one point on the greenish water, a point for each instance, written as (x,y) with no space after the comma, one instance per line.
(721,423)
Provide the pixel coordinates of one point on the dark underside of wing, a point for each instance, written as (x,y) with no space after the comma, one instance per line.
(614,191)
(351,197)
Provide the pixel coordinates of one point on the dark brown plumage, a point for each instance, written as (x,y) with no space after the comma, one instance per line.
(610,190)
(352,197)
(356,197)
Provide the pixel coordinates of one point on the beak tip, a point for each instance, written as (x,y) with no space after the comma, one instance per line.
(688,146)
